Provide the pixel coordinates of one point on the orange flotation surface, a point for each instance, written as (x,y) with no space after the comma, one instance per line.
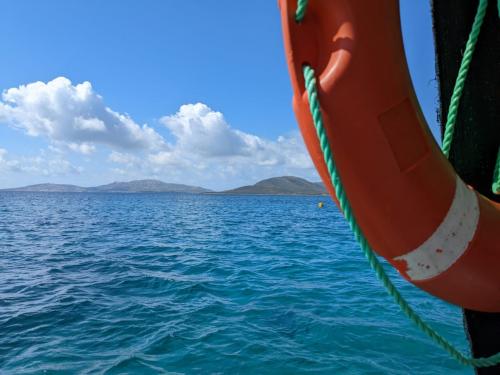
(412,207)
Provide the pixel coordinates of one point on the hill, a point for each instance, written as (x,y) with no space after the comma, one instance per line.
(49,188)
(153,186)
(137,186)
(286,185)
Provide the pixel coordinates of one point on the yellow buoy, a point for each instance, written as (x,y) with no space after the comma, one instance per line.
(320,205)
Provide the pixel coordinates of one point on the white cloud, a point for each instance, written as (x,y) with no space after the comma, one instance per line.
(44,164)
(205,148)
(74,116)
(83,148)
(204,133)
(124,158)
(208,151)
(6,164)
(197,128)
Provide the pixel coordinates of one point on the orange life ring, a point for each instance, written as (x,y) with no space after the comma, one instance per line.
(412,207)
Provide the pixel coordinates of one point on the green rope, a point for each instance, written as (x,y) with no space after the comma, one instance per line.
(301,10)
(496,174)
(345,206)
(462,75)
(311,87)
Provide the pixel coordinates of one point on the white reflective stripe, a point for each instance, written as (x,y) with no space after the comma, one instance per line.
(449,241)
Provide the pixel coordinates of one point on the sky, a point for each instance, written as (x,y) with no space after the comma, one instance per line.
(191,91)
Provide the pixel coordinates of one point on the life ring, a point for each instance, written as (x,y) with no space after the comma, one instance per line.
(414,210)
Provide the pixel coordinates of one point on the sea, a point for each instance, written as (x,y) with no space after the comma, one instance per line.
(95,283)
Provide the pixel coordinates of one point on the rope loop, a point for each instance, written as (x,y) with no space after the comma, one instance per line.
(345,206)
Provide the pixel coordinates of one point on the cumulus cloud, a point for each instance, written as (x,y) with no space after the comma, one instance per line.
(207,150)
(203,132)
(204,149)
(197,127)
(74,116)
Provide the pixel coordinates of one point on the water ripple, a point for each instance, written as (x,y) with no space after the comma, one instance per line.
(183,284)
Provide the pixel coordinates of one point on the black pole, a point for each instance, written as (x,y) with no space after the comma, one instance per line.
(477,136)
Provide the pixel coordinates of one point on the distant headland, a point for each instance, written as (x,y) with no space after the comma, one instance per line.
(285,185)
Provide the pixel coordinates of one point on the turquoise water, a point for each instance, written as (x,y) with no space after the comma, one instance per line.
(172,283)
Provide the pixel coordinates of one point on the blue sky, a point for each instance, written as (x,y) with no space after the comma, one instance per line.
(185,91)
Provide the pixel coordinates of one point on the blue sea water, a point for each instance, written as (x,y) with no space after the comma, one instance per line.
(198,284)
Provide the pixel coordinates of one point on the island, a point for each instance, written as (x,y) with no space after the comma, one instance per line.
(285,185)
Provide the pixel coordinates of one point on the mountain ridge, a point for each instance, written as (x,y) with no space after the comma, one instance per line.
(148,185)
(284,185)
(134,186)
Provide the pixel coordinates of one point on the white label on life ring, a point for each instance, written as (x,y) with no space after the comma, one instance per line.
(450,240)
